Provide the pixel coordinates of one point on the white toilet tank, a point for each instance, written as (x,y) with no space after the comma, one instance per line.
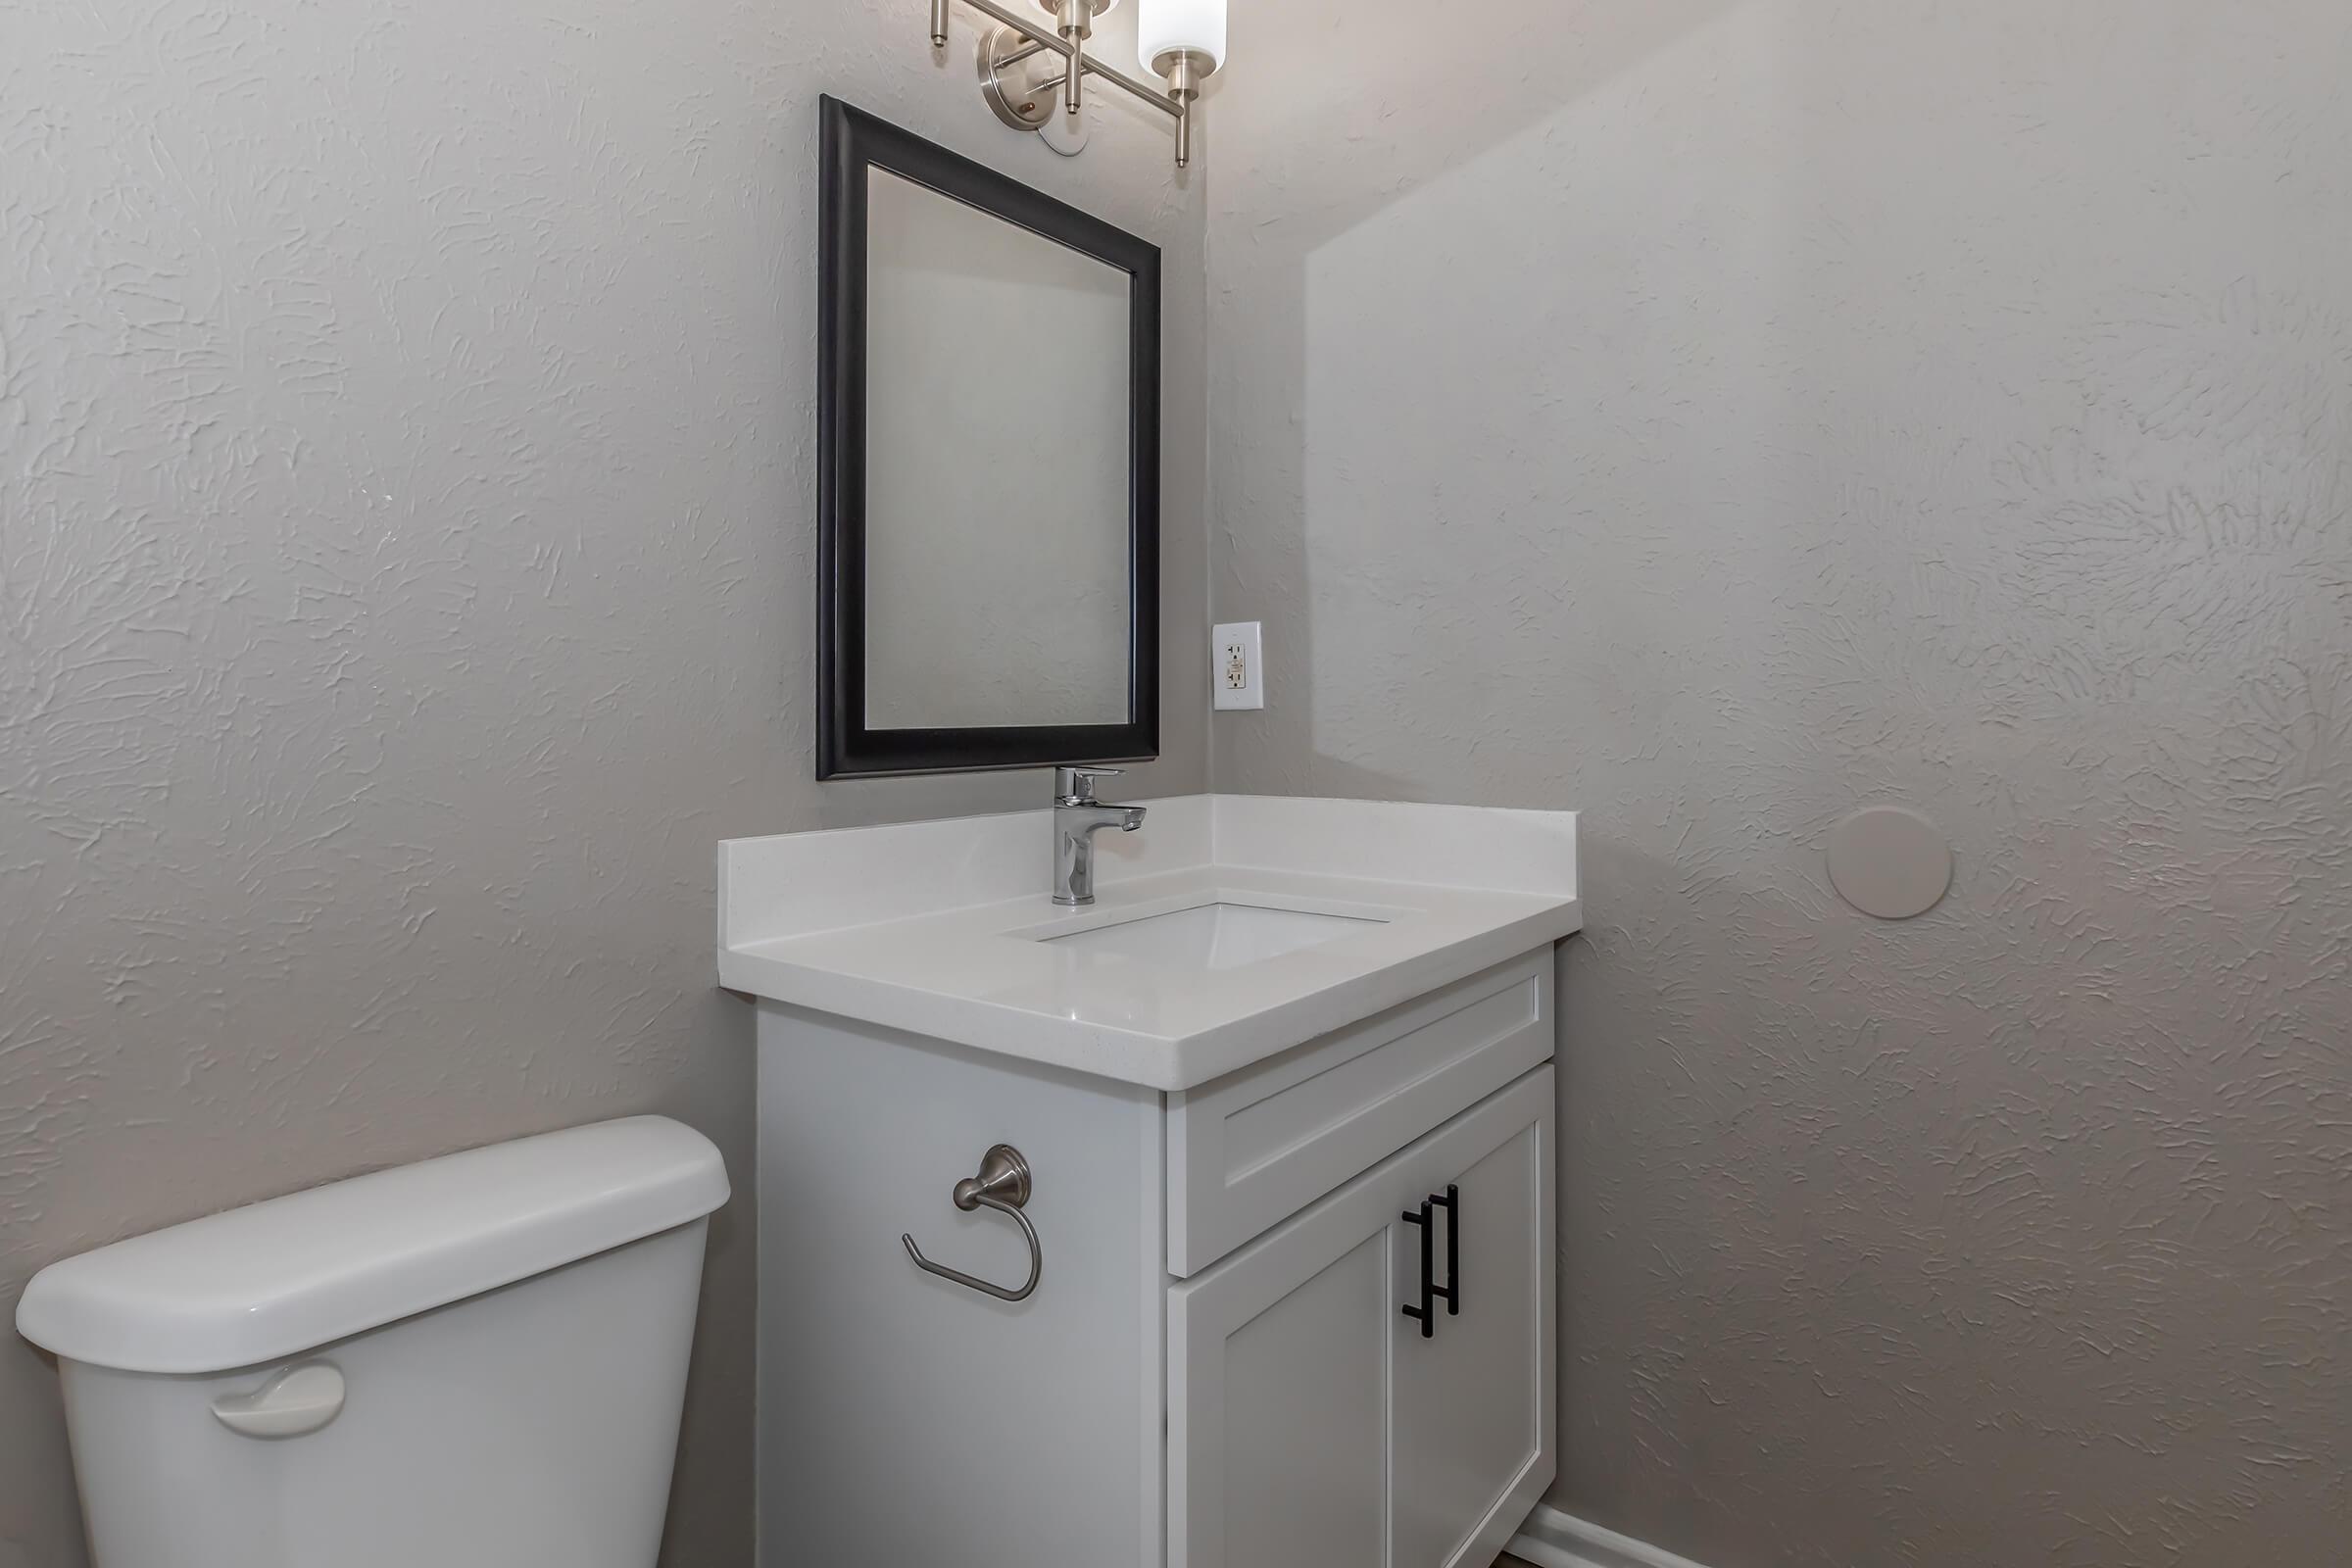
(473,1362)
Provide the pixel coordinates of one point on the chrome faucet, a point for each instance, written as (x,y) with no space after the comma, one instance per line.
(1077,818)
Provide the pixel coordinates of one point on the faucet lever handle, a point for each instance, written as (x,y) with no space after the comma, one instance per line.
(1078,783)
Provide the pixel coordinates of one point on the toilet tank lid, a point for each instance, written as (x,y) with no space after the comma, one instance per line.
(290,1274)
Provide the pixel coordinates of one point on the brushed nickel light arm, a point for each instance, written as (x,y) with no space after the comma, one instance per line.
(1026,101)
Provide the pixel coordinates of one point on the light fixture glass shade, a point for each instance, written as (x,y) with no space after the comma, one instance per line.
(1169,27)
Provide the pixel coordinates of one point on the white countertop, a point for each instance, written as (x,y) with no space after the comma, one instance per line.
(934,927)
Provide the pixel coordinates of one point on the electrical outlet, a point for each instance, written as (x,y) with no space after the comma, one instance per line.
(1237,666)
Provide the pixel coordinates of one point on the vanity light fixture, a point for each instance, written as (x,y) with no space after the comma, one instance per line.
(1030,71)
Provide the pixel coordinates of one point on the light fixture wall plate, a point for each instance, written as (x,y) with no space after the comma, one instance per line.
(1067,134)
(1021,80)
(1030,73)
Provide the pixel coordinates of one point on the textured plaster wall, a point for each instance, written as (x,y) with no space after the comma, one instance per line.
(1714,413)
(406,537)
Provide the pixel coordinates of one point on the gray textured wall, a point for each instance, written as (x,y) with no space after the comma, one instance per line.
(1713,414)
(406,536)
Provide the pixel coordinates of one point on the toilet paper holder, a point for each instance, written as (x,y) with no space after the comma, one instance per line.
(1003,1185)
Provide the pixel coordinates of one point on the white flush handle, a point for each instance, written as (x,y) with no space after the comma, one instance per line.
(294,1402)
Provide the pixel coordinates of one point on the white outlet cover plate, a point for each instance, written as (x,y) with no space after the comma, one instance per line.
(1236,640)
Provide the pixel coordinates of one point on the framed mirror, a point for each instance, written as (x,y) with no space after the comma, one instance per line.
(987,471)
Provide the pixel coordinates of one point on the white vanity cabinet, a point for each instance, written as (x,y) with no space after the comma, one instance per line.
(1217,1369)
(1286,1083)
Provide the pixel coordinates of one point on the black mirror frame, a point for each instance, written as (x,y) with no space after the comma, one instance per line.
(855,141)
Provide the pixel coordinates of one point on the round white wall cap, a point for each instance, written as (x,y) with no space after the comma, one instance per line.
(1890,862)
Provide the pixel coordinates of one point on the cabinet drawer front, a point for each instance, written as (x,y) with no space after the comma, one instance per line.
(1250,1151)
(1311,1422)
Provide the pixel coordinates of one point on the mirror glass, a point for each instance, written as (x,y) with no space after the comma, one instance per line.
(998,469)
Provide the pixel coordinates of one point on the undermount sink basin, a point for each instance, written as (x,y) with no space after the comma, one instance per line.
(1214,936)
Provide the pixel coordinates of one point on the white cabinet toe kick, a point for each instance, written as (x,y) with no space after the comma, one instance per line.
(1301,1313)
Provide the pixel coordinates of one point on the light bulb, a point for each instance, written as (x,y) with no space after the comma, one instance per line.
(1167,29)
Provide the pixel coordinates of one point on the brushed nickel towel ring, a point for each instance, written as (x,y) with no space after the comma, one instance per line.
(1003,1186)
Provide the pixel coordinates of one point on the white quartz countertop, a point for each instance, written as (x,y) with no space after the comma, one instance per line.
(940,928)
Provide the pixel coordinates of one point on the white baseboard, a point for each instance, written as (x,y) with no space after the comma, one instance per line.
(1552,1539)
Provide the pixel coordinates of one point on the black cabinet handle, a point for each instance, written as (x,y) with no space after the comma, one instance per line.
(1450,1293)
(1422,1314)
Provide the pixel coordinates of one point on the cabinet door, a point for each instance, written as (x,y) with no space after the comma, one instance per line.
(1286,1381)
(1278,1419)
(1472,1403)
